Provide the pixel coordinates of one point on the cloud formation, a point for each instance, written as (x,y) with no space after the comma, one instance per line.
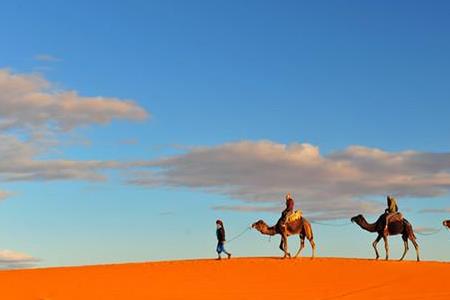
(435,210)
(28,100)
(34,115)
(13,260)
(338,184)
(18,162)
(46,58)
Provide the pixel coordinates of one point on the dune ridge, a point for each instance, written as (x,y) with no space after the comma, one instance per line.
(241,278)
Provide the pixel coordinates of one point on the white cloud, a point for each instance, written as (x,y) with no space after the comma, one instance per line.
(18,163)
(46,58)
(337,184)
(29,100)
(33,117)
(314,210)
(435,210)
(11,260)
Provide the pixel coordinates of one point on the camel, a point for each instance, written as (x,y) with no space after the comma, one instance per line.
(446,223)
(402,227)
(302,227)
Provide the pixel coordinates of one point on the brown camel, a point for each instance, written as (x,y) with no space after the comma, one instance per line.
(395,227)
(446,223)
(302,227)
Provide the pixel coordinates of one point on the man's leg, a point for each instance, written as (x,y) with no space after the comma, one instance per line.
(390,217)
(386,229)
(226,252)
(286,221)
(219,250)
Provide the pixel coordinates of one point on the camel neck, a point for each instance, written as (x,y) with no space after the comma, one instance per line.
(269,231)
(367,226)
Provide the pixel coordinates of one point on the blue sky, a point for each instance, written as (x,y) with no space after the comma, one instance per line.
(209,74)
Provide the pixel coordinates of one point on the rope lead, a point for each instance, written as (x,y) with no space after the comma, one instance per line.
(331,224)
(239,235)
(429,233)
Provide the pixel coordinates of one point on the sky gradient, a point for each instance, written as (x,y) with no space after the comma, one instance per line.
(126,130)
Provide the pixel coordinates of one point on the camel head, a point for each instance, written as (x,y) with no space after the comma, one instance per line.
(357,219)
(259,225)
(446,223)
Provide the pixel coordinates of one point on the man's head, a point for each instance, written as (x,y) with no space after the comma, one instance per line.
(219,223)
(289,201)
(390,199)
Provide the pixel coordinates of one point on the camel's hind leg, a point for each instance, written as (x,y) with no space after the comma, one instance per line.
(406,247)
(308,233)
(374,245)
(413,240)
(302,245)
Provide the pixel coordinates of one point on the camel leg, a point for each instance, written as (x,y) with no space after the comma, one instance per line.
(374,245)
(302,245)
(313,247)
(406,248)
(417,248)
(386,246)
(309,235)
(281,245)
(285,246)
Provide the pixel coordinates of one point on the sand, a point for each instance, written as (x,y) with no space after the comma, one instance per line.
(241,278)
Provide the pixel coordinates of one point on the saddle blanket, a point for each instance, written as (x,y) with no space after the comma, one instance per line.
(296,215)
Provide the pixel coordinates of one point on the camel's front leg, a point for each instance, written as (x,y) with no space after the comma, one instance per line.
(285,246)
(374,244)
(302,245)
(386,246)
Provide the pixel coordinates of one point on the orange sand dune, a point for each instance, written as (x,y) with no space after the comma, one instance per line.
(242,278)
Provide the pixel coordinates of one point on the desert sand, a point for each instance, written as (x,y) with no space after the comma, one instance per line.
(241,278)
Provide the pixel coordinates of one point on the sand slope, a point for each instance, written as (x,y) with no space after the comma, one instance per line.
(242,278)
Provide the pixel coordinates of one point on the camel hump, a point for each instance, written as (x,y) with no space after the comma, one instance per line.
(296,215)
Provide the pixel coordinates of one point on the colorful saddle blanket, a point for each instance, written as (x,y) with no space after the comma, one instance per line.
(296,215)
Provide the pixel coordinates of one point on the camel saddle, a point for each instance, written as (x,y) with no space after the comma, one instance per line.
(396,217)
(296,215)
